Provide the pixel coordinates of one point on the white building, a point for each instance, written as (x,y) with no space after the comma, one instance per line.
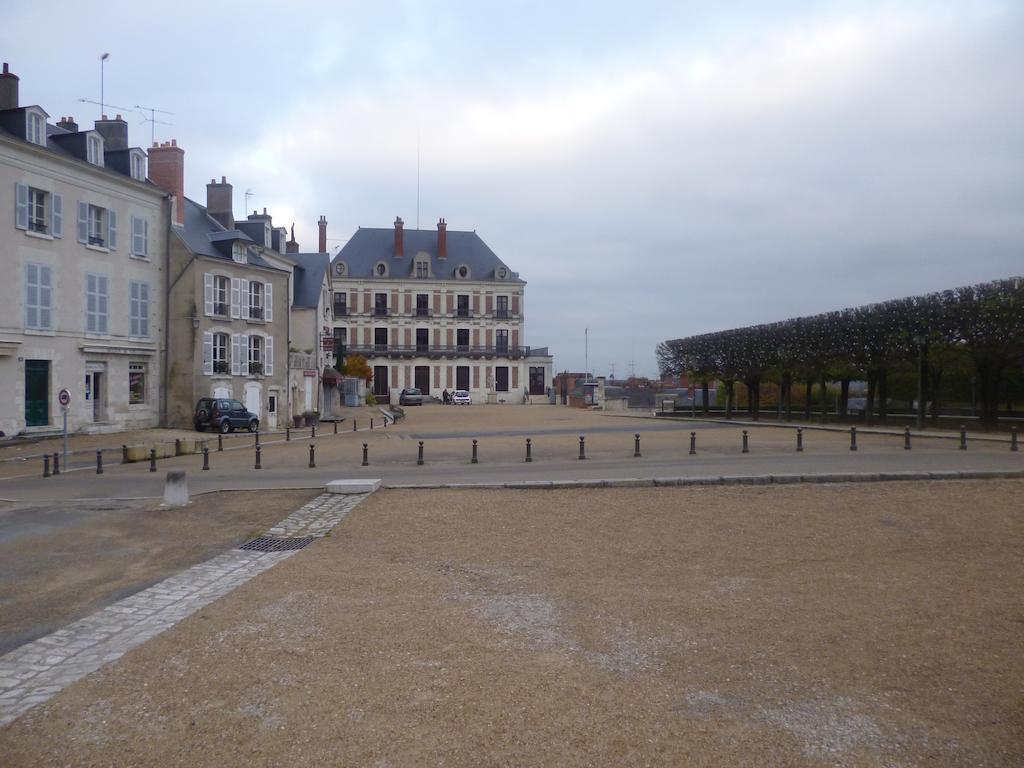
(83,251)
(435,310)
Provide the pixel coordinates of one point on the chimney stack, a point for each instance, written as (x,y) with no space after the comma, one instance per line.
(442,239)
(323,234)
(292,246)
(167,171)
(114,132)
(219,202)
(68,124)
(8,89)
(399,242)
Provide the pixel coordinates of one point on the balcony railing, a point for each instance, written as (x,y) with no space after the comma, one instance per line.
(340,310)
(96,240)
(255,368)
(423,312)
(37,225)
(463,312)
(502,314)
(380,311)
(220,366)
(436,351)
(255,313)
(220,308)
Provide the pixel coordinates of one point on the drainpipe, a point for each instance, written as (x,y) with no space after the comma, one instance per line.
(164,376)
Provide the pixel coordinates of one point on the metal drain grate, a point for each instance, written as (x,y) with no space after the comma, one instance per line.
(267,544)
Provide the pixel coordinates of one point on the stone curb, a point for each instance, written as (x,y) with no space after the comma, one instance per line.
(675,482)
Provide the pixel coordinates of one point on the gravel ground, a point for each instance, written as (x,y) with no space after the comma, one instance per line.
(854,625)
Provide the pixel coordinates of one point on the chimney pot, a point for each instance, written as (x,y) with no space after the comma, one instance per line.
(323,233)
(6,71)
(8,89)
(442,239)
(399,240)
(174,142)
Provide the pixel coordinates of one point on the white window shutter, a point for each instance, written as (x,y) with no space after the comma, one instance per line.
(45,297)
(236,354)
(145,237)
(21,206)
(57,215)
(243,291)
(83,222)
(112,230)
(208,353)
(268,302)
(268,356)
(236,297)
(144,309)
(245,354)
(136,235)
(207,294)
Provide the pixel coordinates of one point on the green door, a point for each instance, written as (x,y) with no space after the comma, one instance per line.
(37,393)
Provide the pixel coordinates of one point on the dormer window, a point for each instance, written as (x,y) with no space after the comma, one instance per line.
(238,253)
(138,166)
(422,268)
(94,150)
(35,128)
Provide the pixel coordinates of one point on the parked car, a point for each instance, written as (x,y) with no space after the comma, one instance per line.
(410,397)
(224,415)
(461,397)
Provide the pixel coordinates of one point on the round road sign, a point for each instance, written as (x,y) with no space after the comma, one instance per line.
(64,397)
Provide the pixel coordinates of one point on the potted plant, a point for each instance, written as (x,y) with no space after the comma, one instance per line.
(311,417)
(297,419)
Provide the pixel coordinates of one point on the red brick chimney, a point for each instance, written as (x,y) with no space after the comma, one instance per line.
(68,124)
(399,244)
(167,171)
(442,239)
(323,234)
(8,89)
(219,202)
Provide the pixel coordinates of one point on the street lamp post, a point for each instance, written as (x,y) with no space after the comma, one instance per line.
(921,342)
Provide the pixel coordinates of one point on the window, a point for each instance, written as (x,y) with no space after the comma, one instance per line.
(221,286)
(380,379)
(422,340)
(94,150)
(422,305)
(463,306)
(501,341)
(140,237)
(97,226)
(422,268)
(255,300)
(37,210)
(380,339)
(138,166)
(138,309)
(35,128)
(38,297)
(462,340)
(340,342)
(136,383)
(96,303)
(255,354)
(381,269)
(340,304)
(501,312)
(380,303)
(220,353)
(501,378)
(238,253)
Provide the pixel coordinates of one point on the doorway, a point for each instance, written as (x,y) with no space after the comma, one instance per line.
(536,379)
(422,377)
(462,377)
(253,400)
(95,390)
(37,393)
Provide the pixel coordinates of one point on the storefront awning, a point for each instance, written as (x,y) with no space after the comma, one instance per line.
(331,376)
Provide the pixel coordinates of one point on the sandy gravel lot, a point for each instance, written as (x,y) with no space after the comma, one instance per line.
(853,625)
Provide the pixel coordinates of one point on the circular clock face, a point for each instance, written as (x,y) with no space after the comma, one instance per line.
(339,269)
(463,271)
(381,269)
(502,272)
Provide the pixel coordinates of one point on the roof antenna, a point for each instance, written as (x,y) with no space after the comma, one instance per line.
(417,177)
(103,61)
(152,119)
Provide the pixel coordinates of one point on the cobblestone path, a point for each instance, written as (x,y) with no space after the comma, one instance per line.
(31,674)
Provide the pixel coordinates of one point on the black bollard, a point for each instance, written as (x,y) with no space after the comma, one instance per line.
(799,439)
(419,456)
(258,464)
(963,438)
(366,456)
(335,427)
(582,454)
(152,459)
(177,447)
(312,456)
(206,459)
(371,423)
(746,448)
(693,443)
(529,457)
(46,465)
(56,463)
(257,443)
(906,438)
(99,462)
(220,442)
(124,454)
(473,460)
(853,438)
(1013,439)
(353,425)
(636,446)
(312,431)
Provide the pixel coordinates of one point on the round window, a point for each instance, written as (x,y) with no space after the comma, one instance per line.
(502,272)
(381,269)
(339,268)
(463,271)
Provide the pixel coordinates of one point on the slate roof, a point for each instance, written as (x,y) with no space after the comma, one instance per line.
(368,246)
(309,272)
(201,231)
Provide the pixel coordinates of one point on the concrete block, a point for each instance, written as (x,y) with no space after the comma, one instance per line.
(352,486)
(176,488)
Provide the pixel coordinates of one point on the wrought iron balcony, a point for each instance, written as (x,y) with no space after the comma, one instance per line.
(220,308)
(37,225)
(436,351)
(220,366)
(255,313)
(340,310)
(381,311)
(255,368)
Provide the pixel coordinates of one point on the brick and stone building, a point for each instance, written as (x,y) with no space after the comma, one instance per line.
(83,248)
(435,310)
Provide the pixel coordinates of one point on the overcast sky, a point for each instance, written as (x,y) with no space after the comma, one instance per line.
(653,170)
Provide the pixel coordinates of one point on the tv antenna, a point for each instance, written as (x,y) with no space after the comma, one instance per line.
(103,61)
(153,122)
(104,106)
(248,193)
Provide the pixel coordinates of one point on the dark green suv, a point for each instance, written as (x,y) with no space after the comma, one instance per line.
(224,415)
